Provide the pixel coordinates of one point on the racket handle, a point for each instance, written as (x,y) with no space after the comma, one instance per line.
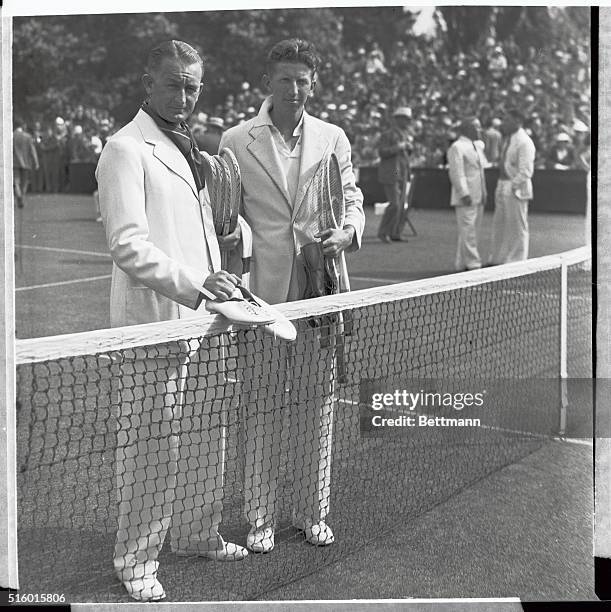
(340,348)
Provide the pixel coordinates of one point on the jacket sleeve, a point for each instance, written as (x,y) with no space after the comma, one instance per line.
(456,171)
(526,163)
(353,197)
(121,180)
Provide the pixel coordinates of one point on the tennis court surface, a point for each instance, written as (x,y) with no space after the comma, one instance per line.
(497,508)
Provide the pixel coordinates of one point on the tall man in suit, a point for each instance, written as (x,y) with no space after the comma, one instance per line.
(166,261)
(25,161)
(279,152)
(466,163)
(510,234)
(394,148)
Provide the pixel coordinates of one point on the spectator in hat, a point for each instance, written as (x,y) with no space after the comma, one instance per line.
(210,140)
(497,64)
(394,148)
(466,163)
(561,155)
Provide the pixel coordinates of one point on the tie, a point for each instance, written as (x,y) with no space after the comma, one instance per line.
(181,136)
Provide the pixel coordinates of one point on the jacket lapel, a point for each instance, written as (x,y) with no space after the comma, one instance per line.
(263,150)
(165,150)
(314,147)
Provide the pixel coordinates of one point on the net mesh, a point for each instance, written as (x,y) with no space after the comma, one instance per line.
(124,448)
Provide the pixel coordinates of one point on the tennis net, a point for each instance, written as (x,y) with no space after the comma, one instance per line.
(448,380)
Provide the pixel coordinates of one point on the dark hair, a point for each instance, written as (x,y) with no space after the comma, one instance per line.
(466,122)
(293,50)
(174,49)
(516,113)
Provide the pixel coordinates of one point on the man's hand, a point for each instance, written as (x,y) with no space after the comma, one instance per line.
(334,241)
(221,284)
(466,200)
(230,241)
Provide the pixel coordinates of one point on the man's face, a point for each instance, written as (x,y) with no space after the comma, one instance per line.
(473,129)
(173,89)
(510,125)
(290,85)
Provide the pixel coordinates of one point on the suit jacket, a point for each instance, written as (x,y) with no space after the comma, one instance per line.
(160,236)
(394,162)
(519,163)
(279,226)
(466,163)
(24,151)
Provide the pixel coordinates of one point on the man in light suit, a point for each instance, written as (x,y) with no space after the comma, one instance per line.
(279,152)
(466,163)
(166,262)
(510,235)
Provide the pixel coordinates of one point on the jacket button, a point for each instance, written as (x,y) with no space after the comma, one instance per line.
(210,268)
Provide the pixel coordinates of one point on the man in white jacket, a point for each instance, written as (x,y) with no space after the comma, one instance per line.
(510,235)
(466,162)
(166,263)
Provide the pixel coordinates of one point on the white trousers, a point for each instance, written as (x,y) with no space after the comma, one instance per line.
(169,458)
(469,221)
(288,401)
(510,234)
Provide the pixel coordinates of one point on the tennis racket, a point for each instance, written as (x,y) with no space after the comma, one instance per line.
(333,216)
(224,187)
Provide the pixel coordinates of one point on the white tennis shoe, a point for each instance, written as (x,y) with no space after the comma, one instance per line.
(246,309)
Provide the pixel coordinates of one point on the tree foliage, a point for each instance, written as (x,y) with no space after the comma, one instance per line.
(98,59)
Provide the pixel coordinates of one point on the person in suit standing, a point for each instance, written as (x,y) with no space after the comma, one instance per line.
(510,235)
(53,147)
(25,161)
(466,162)
(166,262)
(279,152)
(394,148)
(492,140)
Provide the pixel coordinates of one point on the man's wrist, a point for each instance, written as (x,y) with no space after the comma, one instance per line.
(351,233)
(207,294)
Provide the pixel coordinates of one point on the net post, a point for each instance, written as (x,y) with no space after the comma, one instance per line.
(563,347)
(8,466)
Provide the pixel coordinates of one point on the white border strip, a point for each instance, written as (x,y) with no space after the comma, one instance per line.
(100,341)
(8,465)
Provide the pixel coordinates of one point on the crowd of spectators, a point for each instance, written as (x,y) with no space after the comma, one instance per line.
(77,136)
(360,92)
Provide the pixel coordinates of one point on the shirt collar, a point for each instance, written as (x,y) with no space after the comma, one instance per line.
(265,119)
